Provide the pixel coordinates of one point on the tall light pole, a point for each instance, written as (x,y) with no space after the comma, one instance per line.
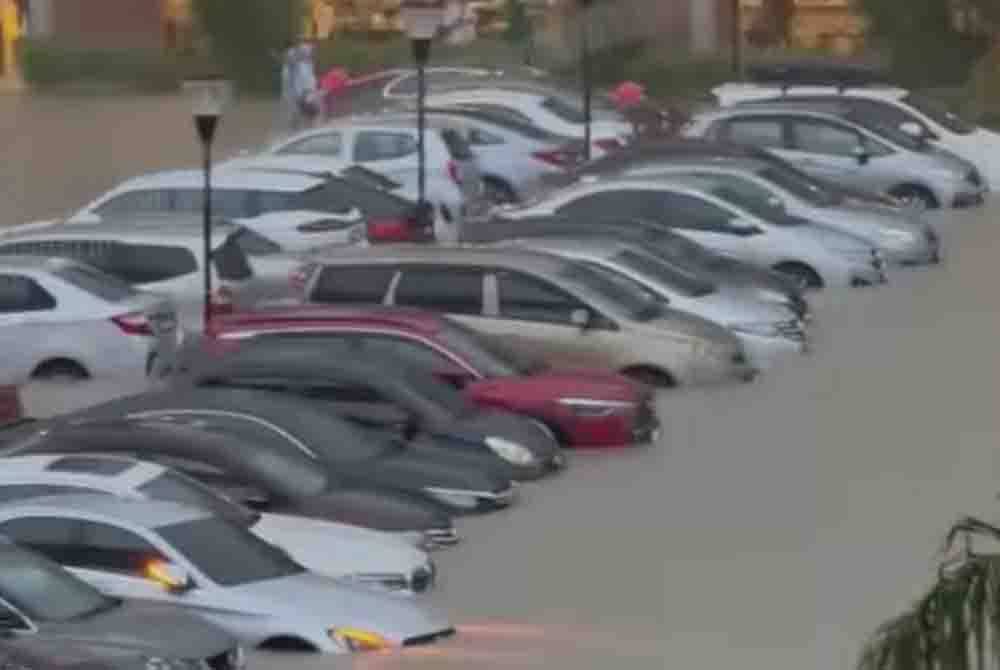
(209,97)
(422,19)
(587,76)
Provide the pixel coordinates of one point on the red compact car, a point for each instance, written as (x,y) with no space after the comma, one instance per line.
(583,408)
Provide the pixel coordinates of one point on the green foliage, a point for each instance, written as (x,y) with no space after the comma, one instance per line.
(519,28)
(247,40)
(361,54)
(920,36)
(46,64)
(956,626)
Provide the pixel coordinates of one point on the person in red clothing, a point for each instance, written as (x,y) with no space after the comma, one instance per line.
(332,83)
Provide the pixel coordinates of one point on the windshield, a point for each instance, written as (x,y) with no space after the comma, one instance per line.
(428,388)
(940,114)
(571,110)
(889,131)
(662,273)
(45,592)
(800,186)
(488,356)
(181,489)
(227,554)
(624,294)
(96,283)
(755,200)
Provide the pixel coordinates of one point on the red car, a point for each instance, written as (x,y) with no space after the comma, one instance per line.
(583,408)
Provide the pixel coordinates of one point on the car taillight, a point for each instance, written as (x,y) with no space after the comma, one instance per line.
(134,323)
(298,279)
(453,172)
(608,144)
(556,157)
(402,229)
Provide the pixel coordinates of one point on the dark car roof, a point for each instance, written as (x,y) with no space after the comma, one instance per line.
(274,469)
(425,322)
(673,148)
(559,225)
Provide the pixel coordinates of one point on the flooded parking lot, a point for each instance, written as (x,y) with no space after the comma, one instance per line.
(774,524)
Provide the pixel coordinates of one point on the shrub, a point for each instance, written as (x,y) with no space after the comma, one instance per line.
(45,64)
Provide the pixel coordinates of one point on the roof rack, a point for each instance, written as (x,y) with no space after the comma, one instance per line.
(839,75)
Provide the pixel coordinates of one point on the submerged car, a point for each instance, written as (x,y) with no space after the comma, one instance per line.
(248,469)
(183,556)
(352,457)
(345,552)
(558,310)
(768,331)
(383,392)
(43,602)
(581,406)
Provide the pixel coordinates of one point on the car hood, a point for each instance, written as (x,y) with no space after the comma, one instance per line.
(332,604)
(558,383)
(881,217)
(833,239)
(337,550)
(147,628)
(512,427)
(729,307)
(943,158)
(685,324)
(386,510)
(419,468)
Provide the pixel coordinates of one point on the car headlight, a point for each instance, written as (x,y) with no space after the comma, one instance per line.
(760,329)
(161,663)
(512,452)
(390,581)
(357,640)
(593,408)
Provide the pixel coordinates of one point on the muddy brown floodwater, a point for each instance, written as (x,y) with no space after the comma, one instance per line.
(773,526)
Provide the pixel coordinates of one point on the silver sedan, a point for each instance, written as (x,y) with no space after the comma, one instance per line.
(165,552)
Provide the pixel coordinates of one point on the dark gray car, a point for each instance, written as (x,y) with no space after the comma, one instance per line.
(382,394)
(42,601)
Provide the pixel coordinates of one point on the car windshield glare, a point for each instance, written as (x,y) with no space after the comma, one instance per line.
(621,294)
(227,554)
(488,356)
(660,272)
(800,186)
(940,114)
(45,592)
(890,132)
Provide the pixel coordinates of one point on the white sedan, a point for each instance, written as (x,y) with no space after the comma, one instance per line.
(345,552)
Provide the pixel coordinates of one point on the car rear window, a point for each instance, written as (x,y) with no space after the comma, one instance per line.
(148,263)
(367,285)
(231,262)
(254,244)
(458,148)
(339,196)
(96,283)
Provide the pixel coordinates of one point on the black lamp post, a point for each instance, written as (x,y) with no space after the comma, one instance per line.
(209,98)
(587,75)
(422,20)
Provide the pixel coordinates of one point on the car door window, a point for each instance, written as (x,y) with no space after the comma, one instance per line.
(228,203)
(19,294)
(760,132)
(445,289)
(530,299)
(818,137)
(342,392)
(482,138)
(150,263)
(686,211)
(149,201)
(327,144)
(380,146)
(10,492)
(381,347)
(605,205)
(50,536)
(105,547)
(342,285)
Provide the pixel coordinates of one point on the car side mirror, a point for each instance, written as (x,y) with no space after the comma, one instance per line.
(861,155)
(171,577)
(580,318)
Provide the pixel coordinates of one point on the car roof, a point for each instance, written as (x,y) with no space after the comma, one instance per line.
(404,254)
(389,119)
(306,359)
(223,178)
(777,108)
(143,513)
(127,229)
(31,263)
(399,317)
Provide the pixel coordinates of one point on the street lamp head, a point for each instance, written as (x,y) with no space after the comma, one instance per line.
(422,19)
(209,96)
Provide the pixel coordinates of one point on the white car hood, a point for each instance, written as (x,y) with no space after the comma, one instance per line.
(730,307)
(339,550)
(981,147)
(831,238)
(322,603)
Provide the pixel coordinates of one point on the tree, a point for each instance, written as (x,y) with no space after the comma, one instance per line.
(956,625)
(246,40)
